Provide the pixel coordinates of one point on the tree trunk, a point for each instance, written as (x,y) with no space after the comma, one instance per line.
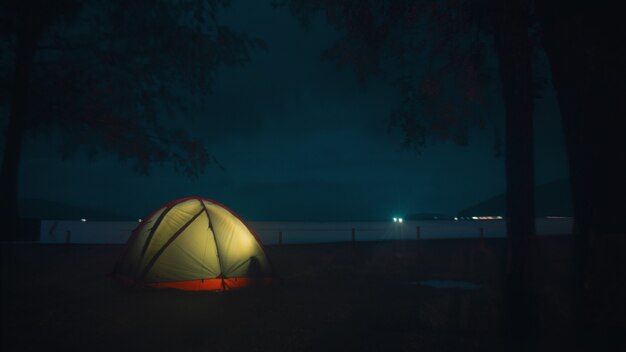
(586,60)
(26,41)
(513,48)
(560,41)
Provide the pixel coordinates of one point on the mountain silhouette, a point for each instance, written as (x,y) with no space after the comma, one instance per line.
(551,199)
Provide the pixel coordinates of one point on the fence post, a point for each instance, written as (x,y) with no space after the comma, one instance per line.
(280,238)
(482,238)
(353,235)
(418,256)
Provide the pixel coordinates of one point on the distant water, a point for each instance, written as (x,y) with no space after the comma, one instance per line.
(54,231)
(446,284)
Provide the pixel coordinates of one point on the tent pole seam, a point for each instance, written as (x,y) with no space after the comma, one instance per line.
(152,231)
(162,249)
(217,247)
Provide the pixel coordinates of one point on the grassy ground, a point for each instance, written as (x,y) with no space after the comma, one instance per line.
(335,297)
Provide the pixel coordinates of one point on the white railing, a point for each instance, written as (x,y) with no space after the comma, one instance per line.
(103,232)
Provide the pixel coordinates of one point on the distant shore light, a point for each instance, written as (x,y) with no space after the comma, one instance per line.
(83,220)
(395,219)
(400,220)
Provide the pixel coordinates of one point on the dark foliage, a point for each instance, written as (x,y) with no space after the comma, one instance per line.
(434,51)
(106,73)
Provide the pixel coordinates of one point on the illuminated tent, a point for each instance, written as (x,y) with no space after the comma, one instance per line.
(193,244)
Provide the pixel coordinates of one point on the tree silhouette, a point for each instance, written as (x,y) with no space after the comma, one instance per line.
(583,46)
(437,48)
(106,74)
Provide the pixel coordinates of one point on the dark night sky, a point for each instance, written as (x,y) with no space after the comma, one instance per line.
(300,139)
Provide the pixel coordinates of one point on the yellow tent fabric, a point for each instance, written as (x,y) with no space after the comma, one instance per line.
(193,243)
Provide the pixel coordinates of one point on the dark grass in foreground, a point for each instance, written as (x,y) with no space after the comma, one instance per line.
(335,297)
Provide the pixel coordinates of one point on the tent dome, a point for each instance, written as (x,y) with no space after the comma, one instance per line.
(193,243)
